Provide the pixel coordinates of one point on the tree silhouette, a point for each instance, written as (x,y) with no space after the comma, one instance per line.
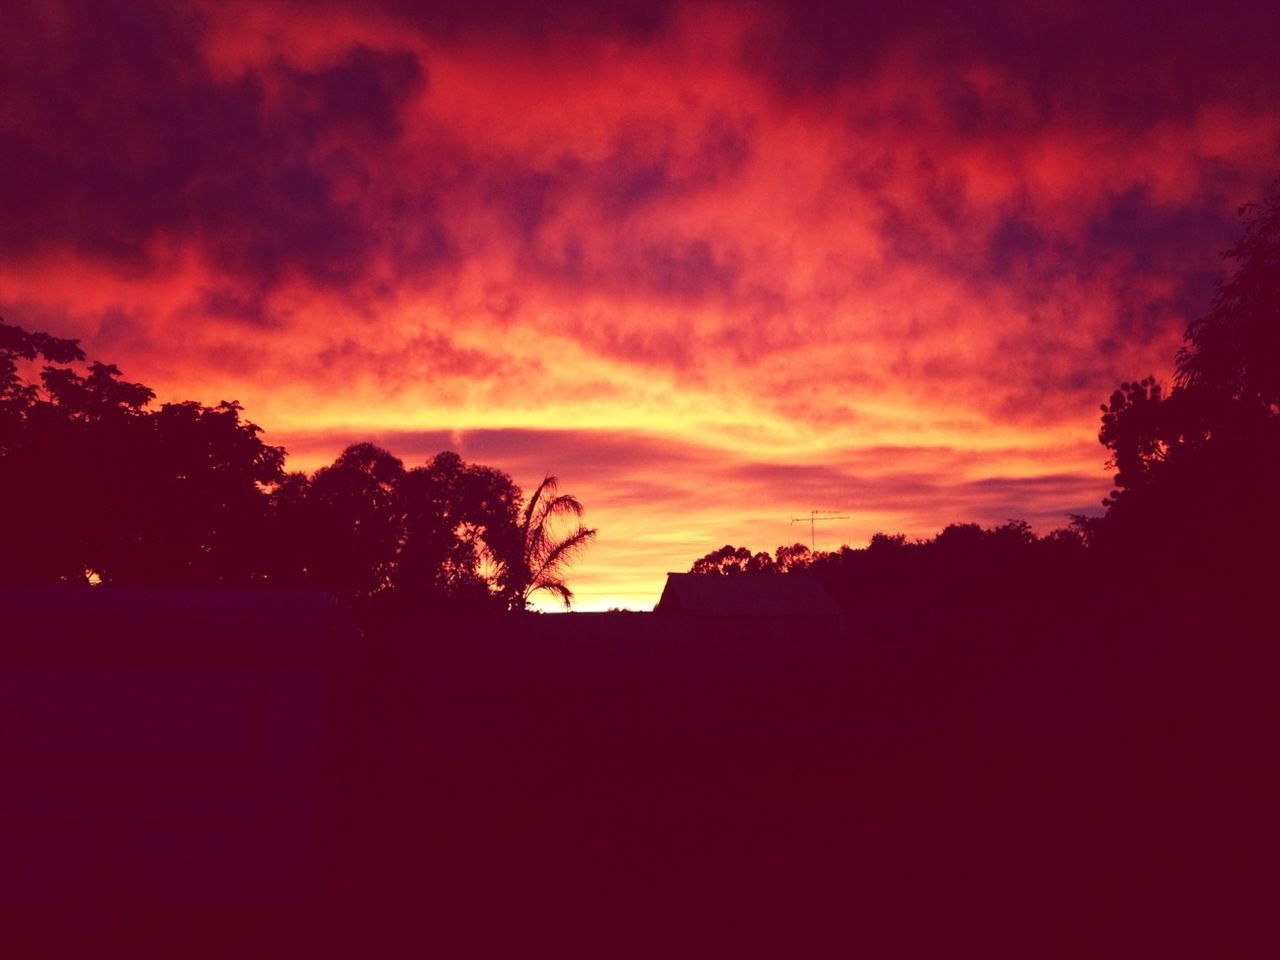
(1234,350)
(40,510)
(1195,465)
(293,539)
(729,560)
(195,504)
(795,557)
(95,483)
(965,566)
(357,509)
(455,513)
(16,393)
(537,556)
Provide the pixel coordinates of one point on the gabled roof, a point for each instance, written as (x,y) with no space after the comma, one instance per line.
(746,595)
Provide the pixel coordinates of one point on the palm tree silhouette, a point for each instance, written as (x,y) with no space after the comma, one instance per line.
(543,550)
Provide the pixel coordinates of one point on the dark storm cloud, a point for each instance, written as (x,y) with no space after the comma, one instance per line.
(1136,62)
(119,137)
(647,168)
(651,161)
(1146,235)
(666,268)
(535,20)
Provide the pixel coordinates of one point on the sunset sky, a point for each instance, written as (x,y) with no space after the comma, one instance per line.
(714,265)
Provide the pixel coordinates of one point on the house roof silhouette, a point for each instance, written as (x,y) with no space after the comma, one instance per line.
(746,594)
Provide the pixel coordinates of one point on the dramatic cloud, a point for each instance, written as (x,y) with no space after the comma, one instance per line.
(715,265)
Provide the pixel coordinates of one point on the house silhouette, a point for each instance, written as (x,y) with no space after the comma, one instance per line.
(790,596)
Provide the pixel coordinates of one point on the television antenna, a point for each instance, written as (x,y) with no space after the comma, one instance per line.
(815,517)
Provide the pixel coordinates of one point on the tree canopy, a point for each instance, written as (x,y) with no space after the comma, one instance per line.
(964,562)
(1196,464)
(100,486)
(97,485)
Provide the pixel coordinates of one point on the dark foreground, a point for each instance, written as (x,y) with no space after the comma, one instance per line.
(206,779)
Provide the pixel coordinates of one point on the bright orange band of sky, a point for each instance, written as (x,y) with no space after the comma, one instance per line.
(714,265)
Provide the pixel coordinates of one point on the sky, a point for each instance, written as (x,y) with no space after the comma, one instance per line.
(714,265)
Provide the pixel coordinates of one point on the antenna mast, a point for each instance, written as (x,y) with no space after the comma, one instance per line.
(814,517)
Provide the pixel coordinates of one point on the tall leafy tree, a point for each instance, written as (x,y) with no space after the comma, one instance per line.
(97,484)
(1197,465)
(1233,351)
(40,463)
(356,510)
(456,516)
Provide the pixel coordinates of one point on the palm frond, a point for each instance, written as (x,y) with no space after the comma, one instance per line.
(544,550)
(559,588)
(535,499)
(563,505)
(562,553)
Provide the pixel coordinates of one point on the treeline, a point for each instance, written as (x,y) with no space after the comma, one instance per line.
(964,566)
(987,551)
(1195,514)
(98,486)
